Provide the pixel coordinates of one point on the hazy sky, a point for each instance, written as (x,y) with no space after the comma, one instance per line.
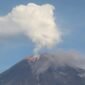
(70,18)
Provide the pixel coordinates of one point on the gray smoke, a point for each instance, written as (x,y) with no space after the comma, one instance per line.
(58,59)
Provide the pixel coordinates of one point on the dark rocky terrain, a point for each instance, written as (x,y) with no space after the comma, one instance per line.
(43,71)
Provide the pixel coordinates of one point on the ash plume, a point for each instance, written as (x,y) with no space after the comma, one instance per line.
(58,59)
(37,22)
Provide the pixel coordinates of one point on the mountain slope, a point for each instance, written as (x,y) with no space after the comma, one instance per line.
(42,72)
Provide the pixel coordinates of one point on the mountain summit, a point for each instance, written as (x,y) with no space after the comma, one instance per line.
(46,70)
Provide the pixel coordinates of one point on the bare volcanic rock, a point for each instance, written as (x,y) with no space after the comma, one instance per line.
(42,71)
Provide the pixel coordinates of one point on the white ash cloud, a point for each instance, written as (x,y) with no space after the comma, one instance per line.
(37,22)
(8,27)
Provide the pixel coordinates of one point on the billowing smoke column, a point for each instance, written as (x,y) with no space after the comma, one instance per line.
(37,22)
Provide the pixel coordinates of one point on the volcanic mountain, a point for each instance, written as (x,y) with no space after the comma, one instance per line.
(42,71)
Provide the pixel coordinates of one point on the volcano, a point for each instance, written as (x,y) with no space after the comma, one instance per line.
(42,71)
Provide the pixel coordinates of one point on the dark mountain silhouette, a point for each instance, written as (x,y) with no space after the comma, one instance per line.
(43,71)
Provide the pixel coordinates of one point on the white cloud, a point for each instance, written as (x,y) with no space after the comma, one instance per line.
(37,22)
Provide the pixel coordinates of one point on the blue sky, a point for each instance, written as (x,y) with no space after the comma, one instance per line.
(70,17)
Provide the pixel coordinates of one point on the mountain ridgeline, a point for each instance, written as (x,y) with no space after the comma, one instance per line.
(42,71)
